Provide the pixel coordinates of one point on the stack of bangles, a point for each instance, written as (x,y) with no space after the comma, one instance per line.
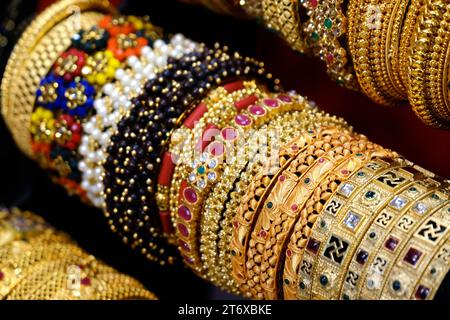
(195,155)
(39,263)
(394,51)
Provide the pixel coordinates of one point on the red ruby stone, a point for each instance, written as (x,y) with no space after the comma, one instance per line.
(2,276)
(282,178)
(330,57)
(289,252)
(242,120)
(183,245)
(412,256)
(391,243)
(257,110)
(184,213)
(284,98)
(294,207)
(183,230)
(362,257)
(313,3)
(263,234)
(344,172)
(272,103)
(422,292)
(86,281)
(313,245)
(236,224)
(190,195)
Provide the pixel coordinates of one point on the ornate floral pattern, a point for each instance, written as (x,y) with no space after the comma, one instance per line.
(100,67)
(69,64)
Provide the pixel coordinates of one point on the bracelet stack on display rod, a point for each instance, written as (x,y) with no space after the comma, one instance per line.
(196,155)
(394,51)
(39,263)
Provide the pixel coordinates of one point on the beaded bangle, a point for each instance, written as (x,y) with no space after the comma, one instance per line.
(403,201)
(412,260)
(156,124)
(114,103)
(326,26)
(207,170)
(218,108)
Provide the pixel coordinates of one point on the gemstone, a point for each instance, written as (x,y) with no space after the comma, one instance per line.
(328,23)
(313,3)
(359,154)
(344,172)
(2,276)
(323,280)
(323,224)
(233,253)
(286,282)
(242,120)
(433,271)
(346,189)
(212,164)
(201,170)
(201,184)
(184,213)
(412,256)
(307,180)
(263,234)
(86,281)
(294,207)
(183,230)
(396,285)
(412,189)
(362,257)
(190,195)
(345,297)
(321,160)
(398,202)
(282,178)
(216,149)
(302,285)
(272,103)
(315,36)
(370,283)
(352,220)
(229,134)
(391,243)
(422,292)
(294,147)
(270,205)
(236,224)
(189,260)
(420,208)
(360,174)
(370,195)
(372,235)
(289,252)
(257,110)
(435,197)
(183,245)
(284,98)
(330,57)
(313,245)
(212,176)
(192,177)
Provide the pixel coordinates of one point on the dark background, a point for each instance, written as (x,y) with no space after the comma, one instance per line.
(24,184)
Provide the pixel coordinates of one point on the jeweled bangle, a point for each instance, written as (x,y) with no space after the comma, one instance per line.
(153,126)
(220,106)
(325,29)
(318,232)
(367,23)
(421,48)
(308,118)
(251,205)
(47,36)
(115,102)
(411,260)
(207,170)
(289,24)
(252,7)
(406,198)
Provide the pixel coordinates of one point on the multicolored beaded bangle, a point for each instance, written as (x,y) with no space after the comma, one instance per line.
(114,102)
(208,169)
(325,29)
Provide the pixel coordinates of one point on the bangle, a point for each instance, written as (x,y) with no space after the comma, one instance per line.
(207,170)
(326,26)
(417,252)
(289,24)
(40,43)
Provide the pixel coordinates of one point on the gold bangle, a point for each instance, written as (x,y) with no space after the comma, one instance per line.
(425,241)
(41,43)
(289,24)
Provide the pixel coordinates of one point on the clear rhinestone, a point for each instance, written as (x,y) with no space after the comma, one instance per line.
(212,176)
(204,157)
(201,184)
(420,208)
(347,189)
(398,202)
(352,220)
(192,177)
(212,164)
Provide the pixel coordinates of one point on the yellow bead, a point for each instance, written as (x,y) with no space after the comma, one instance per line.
(100,79)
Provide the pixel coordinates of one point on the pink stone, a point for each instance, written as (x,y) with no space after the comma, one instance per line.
(183,230)
(330,57)
(86,281)
(184,213)
(271,103)
(263,234)
(321,160)
(294,207)
(294,147)
(344,172)
(257,110)
(189,260)
(190,195)
(229,134)
(282,178)
(284,98)
(313,3)
(242,120)
(289,252)
(183,245)
(216,149)
(236,224)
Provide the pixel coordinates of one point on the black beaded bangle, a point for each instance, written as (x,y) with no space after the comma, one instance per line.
(135,152)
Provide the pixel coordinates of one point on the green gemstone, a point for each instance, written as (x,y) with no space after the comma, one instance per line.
(435,196)
(286,282)
(396,285)
(345,297)
(323,224)
(201,170)
(302,286)
(360,174)
(448,210)
(269,205)
(328,23)
(307,180)
(233,253)
(315,36)
(413,189)
(370,195)
(359,154)
(323,280)
(433,271)
(372,235)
